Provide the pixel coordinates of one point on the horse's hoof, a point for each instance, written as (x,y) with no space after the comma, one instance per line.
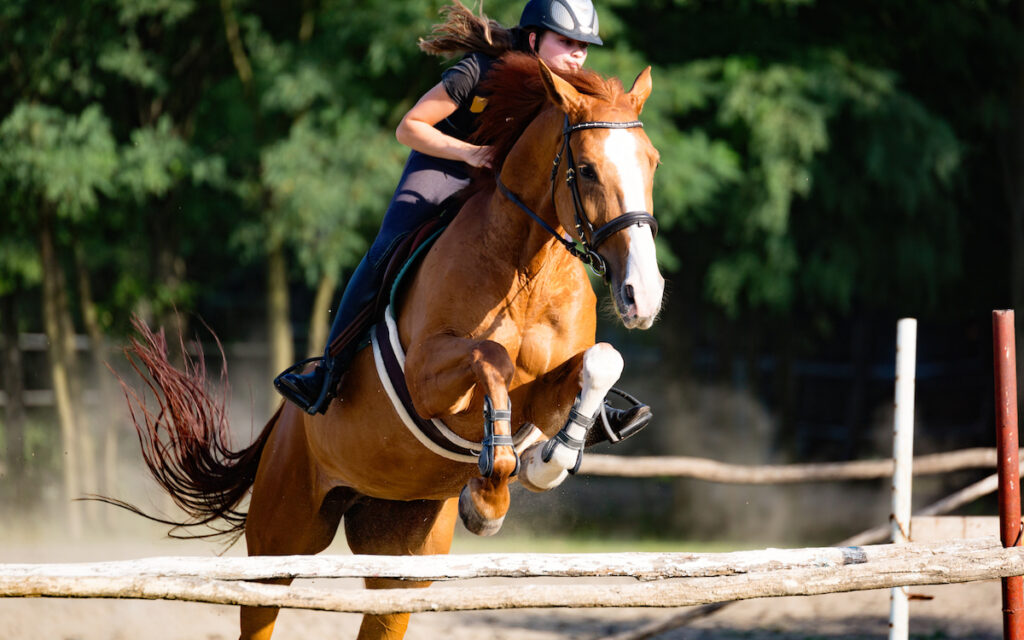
(537,475)
(473,520)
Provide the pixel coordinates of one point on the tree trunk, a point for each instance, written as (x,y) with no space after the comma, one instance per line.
(108,397)
(85,442)
(14,405)
(282,350)
(320,322)
(60,370)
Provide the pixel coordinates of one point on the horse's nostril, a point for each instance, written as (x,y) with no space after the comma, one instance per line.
(627,294)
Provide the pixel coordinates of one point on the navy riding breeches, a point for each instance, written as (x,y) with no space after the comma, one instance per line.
(426,182)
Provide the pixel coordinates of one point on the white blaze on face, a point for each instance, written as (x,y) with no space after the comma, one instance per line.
(642,274)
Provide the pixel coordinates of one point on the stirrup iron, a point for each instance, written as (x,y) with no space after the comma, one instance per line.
(612,436)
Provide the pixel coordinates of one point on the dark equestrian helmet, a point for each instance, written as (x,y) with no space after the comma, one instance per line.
(576,19)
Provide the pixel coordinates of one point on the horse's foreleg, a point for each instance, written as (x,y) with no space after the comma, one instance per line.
(442,373)
(546,464)
(382,527)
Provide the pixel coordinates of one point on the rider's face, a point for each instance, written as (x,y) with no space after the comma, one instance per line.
(559,52)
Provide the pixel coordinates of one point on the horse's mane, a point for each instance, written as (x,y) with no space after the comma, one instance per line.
(517,96)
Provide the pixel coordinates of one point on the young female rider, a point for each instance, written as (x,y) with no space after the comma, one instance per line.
(438,129)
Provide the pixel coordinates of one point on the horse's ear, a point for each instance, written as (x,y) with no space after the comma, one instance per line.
(641,89)
(563,94)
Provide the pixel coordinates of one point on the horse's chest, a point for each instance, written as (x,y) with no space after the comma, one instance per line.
(539,349)
(550,334)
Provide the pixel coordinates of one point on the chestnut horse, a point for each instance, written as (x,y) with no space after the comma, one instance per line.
(498,315)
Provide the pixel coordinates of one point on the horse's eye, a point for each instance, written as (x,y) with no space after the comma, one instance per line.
(587,172)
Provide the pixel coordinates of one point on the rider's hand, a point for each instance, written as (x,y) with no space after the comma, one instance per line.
(479,157)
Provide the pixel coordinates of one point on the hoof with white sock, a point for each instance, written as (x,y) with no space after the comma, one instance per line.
(539,475)
(474,521)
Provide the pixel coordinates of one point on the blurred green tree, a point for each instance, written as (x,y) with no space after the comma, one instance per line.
(820,161)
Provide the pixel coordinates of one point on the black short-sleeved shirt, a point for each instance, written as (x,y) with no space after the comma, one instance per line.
(462,82)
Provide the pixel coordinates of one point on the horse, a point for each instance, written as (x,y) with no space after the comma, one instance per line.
(499,320)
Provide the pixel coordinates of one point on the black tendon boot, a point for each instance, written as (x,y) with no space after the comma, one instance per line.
(615,425)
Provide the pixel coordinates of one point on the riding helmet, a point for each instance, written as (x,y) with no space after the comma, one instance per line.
(576,19)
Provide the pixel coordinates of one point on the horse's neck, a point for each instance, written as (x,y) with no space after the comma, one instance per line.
(526,173)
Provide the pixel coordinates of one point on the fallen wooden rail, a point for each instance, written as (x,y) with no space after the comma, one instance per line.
(714,471)
(757,574)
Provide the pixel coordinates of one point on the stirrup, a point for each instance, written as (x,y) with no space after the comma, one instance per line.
(636,423)
(297,365)
(310,405)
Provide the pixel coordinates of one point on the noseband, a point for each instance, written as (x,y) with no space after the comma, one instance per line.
(590,238)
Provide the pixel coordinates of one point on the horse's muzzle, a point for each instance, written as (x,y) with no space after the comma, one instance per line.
(638,293)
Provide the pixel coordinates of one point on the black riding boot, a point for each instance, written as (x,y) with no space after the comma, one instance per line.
(313,390)
(615,425)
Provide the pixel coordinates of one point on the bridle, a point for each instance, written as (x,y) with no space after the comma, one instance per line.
(590,238)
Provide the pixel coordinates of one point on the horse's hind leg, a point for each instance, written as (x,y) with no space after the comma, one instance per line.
(384,527)
(287,515)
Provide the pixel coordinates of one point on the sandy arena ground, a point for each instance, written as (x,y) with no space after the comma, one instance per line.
(956,611)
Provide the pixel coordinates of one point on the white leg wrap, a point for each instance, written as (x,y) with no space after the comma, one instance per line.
(602,366)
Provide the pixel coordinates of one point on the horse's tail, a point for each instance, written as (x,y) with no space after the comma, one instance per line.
(186,443)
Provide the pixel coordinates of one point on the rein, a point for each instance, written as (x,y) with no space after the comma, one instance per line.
(592,238)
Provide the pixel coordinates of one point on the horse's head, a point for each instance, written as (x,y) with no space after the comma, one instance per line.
(611,161)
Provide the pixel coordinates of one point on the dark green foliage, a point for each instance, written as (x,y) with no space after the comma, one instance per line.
(819,159)
(819,147)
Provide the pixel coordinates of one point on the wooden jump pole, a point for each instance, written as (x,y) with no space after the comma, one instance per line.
(1004,364)
(597,464)
(780,573)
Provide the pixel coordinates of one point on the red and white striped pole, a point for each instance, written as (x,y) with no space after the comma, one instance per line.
(1005,366)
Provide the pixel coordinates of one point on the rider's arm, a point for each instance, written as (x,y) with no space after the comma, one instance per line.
(416,130)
